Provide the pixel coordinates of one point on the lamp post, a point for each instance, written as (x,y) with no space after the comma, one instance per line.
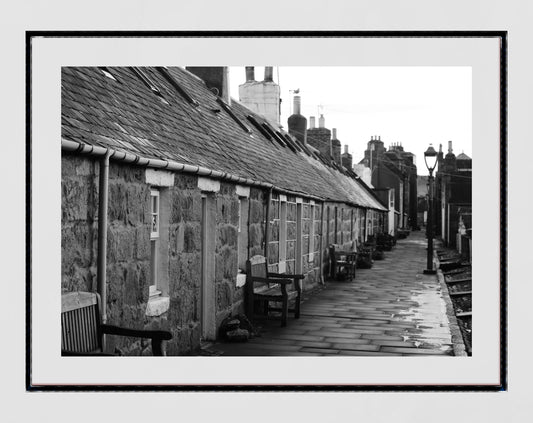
(430,157)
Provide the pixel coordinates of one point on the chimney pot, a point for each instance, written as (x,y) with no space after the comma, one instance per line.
(321,122)
(450,150)
(297,104)
(334,132)
(269,72)
(346,148)
(312,122)
(250,74)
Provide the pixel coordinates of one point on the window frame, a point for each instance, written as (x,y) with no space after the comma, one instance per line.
(154,241)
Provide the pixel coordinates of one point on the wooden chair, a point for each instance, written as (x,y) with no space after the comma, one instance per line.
(263,287)
(343,263)
(82,330)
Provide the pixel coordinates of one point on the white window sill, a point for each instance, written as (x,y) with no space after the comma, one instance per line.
(157,305)
(241,280)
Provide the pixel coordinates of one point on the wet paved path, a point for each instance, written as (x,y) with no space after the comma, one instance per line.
(390,310)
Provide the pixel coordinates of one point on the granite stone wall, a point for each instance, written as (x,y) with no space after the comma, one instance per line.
(228,298)
(79,230)
(128,249)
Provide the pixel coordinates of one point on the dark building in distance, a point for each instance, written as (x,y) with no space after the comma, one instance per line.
(453,196)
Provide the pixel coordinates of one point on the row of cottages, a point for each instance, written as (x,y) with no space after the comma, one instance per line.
(169,186)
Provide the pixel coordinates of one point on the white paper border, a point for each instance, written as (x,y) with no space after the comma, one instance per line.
(48,57)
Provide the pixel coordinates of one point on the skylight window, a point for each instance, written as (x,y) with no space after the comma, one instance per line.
(144,78)
(274,135)
(259,127)
(233,115)
(167,75)
(149,83)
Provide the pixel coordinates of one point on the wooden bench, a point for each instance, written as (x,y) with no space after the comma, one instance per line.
(343,263)
(264,287)
(82,330)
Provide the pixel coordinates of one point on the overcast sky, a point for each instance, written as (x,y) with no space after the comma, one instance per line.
(414,106)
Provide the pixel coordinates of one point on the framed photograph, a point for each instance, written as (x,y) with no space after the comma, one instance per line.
(265,210)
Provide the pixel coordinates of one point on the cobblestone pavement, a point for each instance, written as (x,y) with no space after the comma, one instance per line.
(392,309)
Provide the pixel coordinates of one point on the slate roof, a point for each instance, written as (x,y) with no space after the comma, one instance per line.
(184,122)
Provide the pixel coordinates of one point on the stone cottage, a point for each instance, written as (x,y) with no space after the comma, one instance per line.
(169,186)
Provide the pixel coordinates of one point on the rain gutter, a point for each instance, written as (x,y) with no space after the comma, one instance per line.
(124,157)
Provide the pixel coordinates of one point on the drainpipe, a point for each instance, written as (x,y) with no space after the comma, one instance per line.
(102,232)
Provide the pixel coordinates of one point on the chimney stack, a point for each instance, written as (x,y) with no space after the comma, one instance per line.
(269,72)
(321,122)
(346,158)
(262,97)
(335,147)
(250,75)
(312,122)
(450,150)
(297,123)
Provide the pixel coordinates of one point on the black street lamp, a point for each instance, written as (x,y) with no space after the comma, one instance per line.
(430,157)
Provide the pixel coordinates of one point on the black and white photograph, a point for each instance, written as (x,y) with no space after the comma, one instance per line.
(249,211)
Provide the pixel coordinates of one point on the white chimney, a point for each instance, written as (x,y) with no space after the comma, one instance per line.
(312,122)
(321,122)
(334,133)
(345,148)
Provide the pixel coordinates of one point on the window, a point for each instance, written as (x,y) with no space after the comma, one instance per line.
(311,231)
(158,206)
(154,241)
